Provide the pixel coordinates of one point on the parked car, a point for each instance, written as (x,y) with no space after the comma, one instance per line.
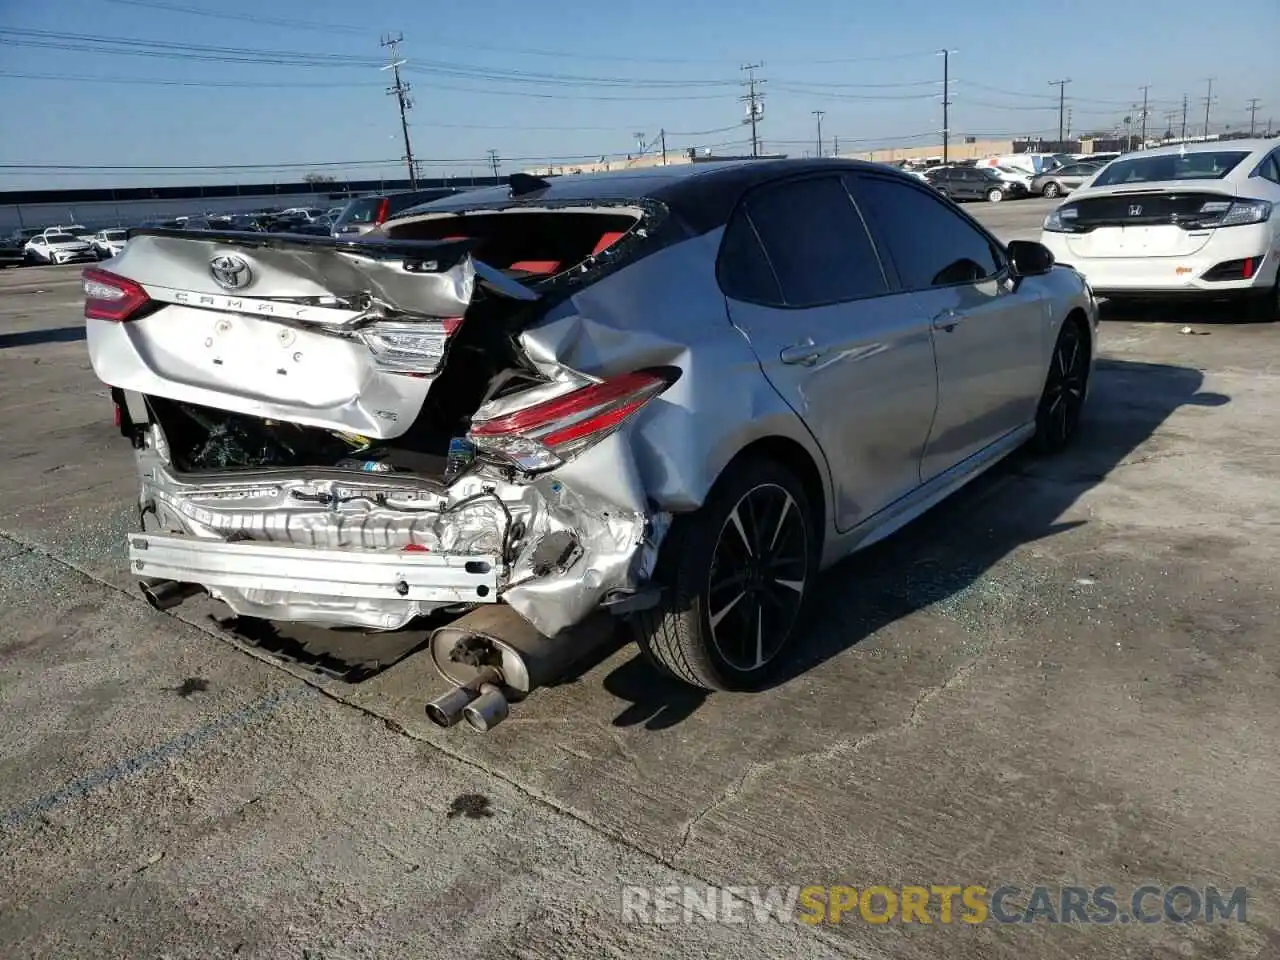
(108,243)
(1062,180)
(11,252)
(56,248)
(1013,175)
(973,183)
(674,395)
(368,213)
(1187,220)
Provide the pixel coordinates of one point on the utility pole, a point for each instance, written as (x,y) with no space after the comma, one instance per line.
(662,135)
(1208,99)
(1068,123)
(493,162)
(755,104)
(1142,143)
(1253,115)
(400,91)
(1062,102)
(835,149)
(1169,117)
(1184,117)
(818,114)
(946,103)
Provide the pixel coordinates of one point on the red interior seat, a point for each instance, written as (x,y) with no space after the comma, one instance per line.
(607,241)
(541,267)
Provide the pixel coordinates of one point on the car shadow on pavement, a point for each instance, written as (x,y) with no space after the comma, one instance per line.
(955,544)
(34,338)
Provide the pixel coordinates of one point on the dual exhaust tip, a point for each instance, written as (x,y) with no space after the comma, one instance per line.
(482,704)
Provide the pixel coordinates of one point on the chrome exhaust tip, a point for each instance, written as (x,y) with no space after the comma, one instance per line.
(446,709)
(167,594)
(487,710)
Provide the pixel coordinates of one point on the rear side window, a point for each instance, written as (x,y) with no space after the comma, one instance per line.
(1269,169)
(745,273)
(816,242)
(930,244)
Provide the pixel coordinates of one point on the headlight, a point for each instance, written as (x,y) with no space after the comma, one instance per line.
(1061,220)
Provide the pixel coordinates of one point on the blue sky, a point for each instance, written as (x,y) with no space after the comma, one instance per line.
(578,79)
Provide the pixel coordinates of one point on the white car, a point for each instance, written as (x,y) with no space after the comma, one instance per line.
(77,230)
(1194,219)
(1013,175)
(58,248)
(107,243)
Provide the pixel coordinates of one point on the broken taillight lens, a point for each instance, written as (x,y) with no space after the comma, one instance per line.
(108,296)
(545,435)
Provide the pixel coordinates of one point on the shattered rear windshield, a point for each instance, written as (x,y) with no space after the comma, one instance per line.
(1172,166)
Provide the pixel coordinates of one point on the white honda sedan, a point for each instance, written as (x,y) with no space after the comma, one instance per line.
(1189,220)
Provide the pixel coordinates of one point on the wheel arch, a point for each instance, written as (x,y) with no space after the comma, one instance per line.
(795,457)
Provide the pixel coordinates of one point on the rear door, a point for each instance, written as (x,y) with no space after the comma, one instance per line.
(838,342)
(988,334)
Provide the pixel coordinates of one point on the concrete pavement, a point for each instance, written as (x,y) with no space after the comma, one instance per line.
(1066,675)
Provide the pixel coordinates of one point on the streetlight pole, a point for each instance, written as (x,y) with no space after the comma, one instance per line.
(818,114)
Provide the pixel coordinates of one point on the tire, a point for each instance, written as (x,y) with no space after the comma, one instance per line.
(1266,308)
(724,622)
(1058,415)
(1051,190)
(995,195)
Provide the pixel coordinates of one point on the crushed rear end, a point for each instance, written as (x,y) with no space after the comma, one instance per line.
(358,432)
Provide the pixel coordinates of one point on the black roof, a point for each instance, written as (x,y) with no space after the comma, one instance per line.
(704,195)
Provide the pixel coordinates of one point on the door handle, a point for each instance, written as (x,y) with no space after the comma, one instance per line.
(946,320)
(806,353)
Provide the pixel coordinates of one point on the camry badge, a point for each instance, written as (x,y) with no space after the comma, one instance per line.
(230,271)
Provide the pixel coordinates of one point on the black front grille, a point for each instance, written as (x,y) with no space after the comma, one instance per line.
(1145,209)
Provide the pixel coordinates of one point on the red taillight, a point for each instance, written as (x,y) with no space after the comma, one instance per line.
(384,210)
(547,434)
(111,297)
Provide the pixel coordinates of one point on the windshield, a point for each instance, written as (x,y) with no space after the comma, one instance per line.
(361,211)
(59,238)
(1171,166)
(113,234)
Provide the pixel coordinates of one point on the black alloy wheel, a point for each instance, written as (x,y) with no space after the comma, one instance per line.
(756,584)
(1064,389)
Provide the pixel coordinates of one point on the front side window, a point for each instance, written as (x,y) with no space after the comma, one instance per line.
(930,244)
(816,242)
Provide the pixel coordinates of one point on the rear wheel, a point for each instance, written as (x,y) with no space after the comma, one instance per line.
(1064,390)
(1051,190)
(995,194)
(736,576)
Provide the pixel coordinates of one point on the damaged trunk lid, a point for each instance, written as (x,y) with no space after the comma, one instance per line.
(344,335)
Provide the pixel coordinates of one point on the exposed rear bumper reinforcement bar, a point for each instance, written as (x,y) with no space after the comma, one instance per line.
(292,569)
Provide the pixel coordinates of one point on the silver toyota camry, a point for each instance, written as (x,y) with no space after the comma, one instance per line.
(673,395)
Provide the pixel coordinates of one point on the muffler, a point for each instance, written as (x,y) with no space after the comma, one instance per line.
(167,594)
(494,657)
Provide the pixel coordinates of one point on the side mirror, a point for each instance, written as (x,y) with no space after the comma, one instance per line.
(1029,259)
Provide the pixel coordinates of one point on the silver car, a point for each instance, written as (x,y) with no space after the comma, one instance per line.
(1062,180)
(673,395)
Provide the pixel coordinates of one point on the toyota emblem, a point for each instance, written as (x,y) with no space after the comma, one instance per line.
(230,271)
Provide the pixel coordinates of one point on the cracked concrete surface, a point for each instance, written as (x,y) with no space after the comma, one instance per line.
(1065,675)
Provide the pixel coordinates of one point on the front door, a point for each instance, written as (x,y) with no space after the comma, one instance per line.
(988,334)
(853,358)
